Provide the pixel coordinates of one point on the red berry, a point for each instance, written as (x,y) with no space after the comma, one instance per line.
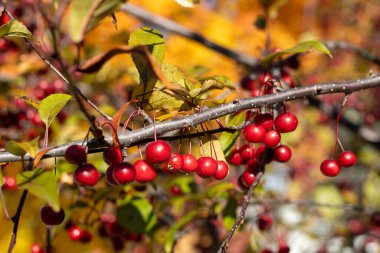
(330,168)
(36,248)
(246,152)
(222,170)
(253,165)
(112,155)
(86,175)
(175,162)
(248,177)
(241,184)
(50,217)
(158,152)
(85,237)
(9,183)
(259,154)
(254,133)
(117,243)
(264,222)
(75,233)
(247,83)
(265,120)
(145,172)
(76,154)
(109,175)
(283,248)
(286,122)
(346,159)
(266,251)
(176,190)
(124,173)
(190,164)
(272,138)
(207,166)
(236,158)
(282,153)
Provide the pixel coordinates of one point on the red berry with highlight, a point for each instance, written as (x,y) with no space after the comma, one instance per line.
(76,154)
(112,155)
(9,183)
(190,164)
(272,138)
(254,133)
(330,168)
(286,122)
(124,173)
(247,152)
(248,177)
(282,153)
(207,166)
(36,248)
(158,152)
(236,158)
(86,175)
(346,159)
(50,217)
(176,190)
(264,222)
(145,171)
(75,233)
(222,170)
(175,162)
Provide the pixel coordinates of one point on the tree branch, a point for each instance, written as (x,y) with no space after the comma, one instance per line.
(16,219)
(138,136)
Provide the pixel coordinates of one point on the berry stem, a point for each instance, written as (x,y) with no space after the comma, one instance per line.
(4,204)
(133,114)
(114,130)
(344,102)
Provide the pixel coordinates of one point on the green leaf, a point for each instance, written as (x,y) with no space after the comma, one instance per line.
(220,190)
(169,241)
(51,106)
(227,140)
(136,215)
(188,3)
(1,179)
(15,28)
(86,14)
(154,40)
(299,48)
(22,148)
(229,213)
(42,184)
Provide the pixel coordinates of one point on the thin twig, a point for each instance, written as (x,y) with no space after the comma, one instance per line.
(16,219)
(139,135)
(4,204)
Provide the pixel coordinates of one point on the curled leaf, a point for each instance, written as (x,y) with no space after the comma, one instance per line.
(15,28)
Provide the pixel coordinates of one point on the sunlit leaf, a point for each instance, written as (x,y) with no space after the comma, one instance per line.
(227,140)
(188,3)
(86,14)
(15,28)
(29,101)
(299,48)
(136,215)
(170,239)
(212,148)
(51,106)
(42,184)
(22,148)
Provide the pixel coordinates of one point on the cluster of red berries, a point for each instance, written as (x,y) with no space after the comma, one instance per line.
(267,131)
(85,174)
(331,168)
(118,234)
(78,234)
(45,88)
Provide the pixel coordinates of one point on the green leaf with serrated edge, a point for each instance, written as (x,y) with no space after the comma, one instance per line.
(212,147)
(188,3)
(229,213)
(15,28)
(42,184)
(136,215)
(51,106)
(299,48)
(169,241)
(227,140)
(154,40)
(161,99)
(86,14)
(22,148)
(328,194)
